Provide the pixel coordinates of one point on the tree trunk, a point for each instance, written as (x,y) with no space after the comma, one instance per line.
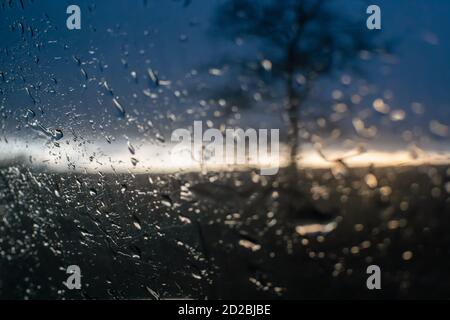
(293,138)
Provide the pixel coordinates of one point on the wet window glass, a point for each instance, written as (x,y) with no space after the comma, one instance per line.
(224,149)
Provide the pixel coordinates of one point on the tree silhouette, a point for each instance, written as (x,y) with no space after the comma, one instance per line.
(300,40)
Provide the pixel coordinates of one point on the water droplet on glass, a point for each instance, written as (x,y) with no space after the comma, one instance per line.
(131,148)
(134,161)
(119,107)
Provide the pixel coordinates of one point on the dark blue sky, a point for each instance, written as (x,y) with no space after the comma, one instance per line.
(422,71)
(173,38)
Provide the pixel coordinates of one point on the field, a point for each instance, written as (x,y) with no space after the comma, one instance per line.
(225,235)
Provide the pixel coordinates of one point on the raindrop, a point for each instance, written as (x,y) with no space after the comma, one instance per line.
(249,245)
(380,106)
(57,134)
(167,201)
(134,161)
(131,148)
(447,187)
(136,223)
(398,115)
(134,76)
(54,134)
(137,252)
(196,276)
(371,180)
(152,76)
(106,86)
(215,72)
(119,107)
(29,114)
(386,191)
(153,293)
(84,73)
(439,129)
(30,95)
(160,138)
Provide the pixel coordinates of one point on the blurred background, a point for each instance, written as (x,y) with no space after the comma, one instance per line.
(87,176)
